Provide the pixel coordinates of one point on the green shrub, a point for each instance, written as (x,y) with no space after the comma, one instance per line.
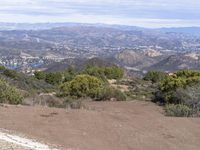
(114,72)
(104,73)
(190,96)
(31,84)
(2,68)
(178,110)
(69,74)
(10,73)
(40,75)
(9,94)
(170,87)
(95,71)
(82,86)
(188,73)
(154,76)
(109,93)
(181,93)
(54,78)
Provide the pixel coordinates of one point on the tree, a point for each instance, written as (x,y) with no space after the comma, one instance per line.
(154,76)
(114,72)
(95,71)
(54,78)
(69,74)
(40,75)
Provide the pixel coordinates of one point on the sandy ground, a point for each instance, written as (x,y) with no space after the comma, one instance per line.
(104,126)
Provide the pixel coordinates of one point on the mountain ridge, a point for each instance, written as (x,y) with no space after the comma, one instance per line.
(45,26)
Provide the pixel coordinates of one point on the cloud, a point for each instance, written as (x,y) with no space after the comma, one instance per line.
(130,12)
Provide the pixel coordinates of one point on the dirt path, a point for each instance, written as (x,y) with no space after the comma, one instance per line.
(104,126)
(10,146)
(11,141)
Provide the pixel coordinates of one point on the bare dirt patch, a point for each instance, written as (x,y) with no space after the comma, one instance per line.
(104,126)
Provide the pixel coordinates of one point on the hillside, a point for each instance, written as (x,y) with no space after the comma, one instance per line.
(137,61)
(175,62)
(79,64)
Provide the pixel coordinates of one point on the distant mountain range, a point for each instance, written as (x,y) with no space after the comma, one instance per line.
(45,26)
(94,38)
(187,30)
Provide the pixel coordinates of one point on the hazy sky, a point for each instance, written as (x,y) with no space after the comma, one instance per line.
(146,13)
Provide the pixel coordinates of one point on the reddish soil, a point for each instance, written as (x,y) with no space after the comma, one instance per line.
(104,126)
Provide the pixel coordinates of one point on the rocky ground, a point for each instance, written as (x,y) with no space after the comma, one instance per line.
(132,125)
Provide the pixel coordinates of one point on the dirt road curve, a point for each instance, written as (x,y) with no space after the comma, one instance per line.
(104,126)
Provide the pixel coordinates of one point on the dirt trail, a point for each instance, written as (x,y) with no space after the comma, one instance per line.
(10,146)
(15,142)
(104,126)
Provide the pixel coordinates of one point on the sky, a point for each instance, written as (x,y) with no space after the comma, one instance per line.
(144,13)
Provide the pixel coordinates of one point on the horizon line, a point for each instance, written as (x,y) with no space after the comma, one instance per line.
(1,22)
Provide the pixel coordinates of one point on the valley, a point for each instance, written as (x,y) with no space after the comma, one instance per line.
(135,49)
(99,75)
(90,86)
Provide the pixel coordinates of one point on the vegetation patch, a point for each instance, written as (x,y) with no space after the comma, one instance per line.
(9,94)
(180,91)
(82,86)
(110,93)
(178,110)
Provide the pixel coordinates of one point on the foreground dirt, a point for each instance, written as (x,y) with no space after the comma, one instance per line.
(9,146)
(104,126)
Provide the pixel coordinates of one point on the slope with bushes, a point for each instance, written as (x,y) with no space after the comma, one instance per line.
(92,82)
(180,93)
